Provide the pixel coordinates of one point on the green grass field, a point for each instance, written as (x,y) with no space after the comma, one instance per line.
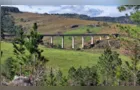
(60,59)
(83,29)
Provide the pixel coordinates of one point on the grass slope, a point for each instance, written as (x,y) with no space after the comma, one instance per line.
(60,59)
(48,23)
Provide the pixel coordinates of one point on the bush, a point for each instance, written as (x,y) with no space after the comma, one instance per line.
(9,68)
(83,76)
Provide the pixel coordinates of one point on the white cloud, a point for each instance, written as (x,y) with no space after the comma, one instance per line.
(90,10)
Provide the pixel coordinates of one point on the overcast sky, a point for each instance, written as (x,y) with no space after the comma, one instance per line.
(90,10)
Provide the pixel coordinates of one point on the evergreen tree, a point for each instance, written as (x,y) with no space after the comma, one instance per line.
(108,64)
(51,81)
(7,24)
(83,76)
(29,58)
(132,41)
(19,50)
(9,68)
(37,61)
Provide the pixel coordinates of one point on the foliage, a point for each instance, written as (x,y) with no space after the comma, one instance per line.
(7,23)
(109,63)
(127,7)
(36,60)
(9,68)
(19,49)
(83,76)
(124,75)
(135,14)
(136,17)
(31,63)
(13,65)
(53,78)
(132,41)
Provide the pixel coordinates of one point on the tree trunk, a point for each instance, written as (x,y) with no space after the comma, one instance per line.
(135,80)
(109,43)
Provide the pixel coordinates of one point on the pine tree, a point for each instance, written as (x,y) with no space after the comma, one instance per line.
(51,81)
(108,64)
(37,61)
(132,41)
(7,24)
(19,50)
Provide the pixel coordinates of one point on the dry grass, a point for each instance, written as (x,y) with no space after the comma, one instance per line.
(49,23)
(54,24)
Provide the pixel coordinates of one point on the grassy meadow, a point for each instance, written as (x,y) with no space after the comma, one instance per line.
(60,59)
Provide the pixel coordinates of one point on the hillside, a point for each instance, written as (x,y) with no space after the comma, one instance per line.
(57,56)
(50,24)
(60,24)
(121,19)
(10,9)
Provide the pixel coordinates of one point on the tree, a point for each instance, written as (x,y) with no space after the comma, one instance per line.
(36,60)
(9,68)
(108,64)
(19,50)
(83,76)
(132,42)
(14,65)
(59,78)
(28,55)
(135,14)
(51,81)
(71,75)
(7,24)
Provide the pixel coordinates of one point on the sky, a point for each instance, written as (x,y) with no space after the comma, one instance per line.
(90,10)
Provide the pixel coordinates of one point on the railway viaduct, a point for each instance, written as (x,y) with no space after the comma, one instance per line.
(73,37)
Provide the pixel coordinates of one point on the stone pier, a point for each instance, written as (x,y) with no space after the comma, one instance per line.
(92,40)
(107,37)
(62,46)
(83,42)
(51,40)
(73,42)
(100,38)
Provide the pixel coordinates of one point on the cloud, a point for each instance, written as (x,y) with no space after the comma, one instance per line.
(90,10)
(79,9)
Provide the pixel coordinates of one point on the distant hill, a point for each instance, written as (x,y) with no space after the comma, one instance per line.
(10,9)
(121,19)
